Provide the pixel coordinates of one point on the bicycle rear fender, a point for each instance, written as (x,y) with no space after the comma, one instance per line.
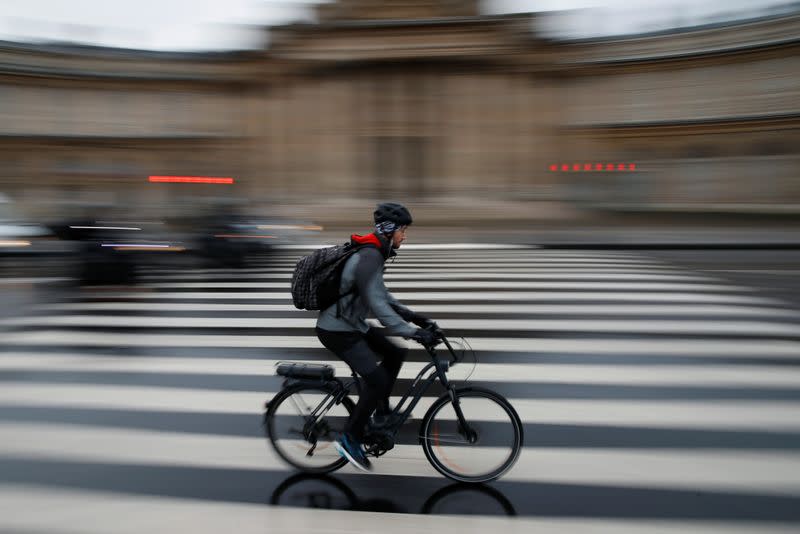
(291,382)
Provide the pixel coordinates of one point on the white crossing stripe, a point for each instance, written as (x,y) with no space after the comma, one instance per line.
(424,246)
(600,286)
(545,276)
(519,253)
(470,275)
(33,280)
(99,513)
(771,472)
(454,296)
(94,512)
(508,262)
(641,310)
(265,272)
(755,271)
(697,414)
(716,375)
(532,272)
(701,347)
(628,326)
(506,253)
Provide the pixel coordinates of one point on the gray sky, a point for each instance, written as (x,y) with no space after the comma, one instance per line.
(233,24)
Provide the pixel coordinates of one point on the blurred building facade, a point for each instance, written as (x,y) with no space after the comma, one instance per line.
(85,127)
(711,116)
(415,100)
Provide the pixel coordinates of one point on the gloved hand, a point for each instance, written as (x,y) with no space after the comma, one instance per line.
(423,322)
(425,337)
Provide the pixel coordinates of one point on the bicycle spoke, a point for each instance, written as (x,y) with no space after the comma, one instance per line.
(441,439)
(300,411)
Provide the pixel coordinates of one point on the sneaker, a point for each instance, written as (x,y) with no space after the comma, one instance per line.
(351,449)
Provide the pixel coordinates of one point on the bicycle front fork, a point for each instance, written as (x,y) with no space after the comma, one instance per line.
(463,427)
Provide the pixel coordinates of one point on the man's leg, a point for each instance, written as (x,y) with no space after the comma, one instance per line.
(375,385)
(393,358)
(354,350)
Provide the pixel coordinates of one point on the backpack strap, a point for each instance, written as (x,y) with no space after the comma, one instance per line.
(354,288)
(339,303)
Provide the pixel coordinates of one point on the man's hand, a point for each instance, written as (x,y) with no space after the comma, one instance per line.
(425,337)
(423,322)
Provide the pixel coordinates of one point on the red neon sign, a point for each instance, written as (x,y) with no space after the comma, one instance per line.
(588,167)
(191,179)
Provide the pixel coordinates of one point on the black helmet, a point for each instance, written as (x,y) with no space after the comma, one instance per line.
(392,212)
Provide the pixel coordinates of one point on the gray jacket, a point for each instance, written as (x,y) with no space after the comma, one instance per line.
(364,290)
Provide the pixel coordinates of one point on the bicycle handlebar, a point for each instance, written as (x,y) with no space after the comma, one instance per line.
(443,338)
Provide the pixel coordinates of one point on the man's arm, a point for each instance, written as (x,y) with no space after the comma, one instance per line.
(369,280)
(408,315)
(401,309)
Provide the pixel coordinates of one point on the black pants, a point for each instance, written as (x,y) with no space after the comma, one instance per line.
(362,352)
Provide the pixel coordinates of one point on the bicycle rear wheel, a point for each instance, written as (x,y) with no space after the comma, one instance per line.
(300,440)
(490,448)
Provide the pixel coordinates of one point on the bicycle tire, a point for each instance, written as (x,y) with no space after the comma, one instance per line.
(430,441)
(270,426)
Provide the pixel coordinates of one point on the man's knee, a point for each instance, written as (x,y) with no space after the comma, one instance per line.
(382,345)
(378,379)
(395,352)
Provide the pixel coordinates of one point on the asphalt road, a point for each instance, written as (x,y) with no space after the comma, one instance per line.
(658,389)
(773,271)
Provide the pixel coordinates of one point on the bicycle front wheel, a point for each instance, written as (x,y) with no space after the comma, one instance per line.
(301,438)
(486,449)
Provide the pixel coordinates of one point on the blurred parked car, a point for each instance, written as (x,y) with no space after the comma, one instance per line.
(113,252)
(233,240)
(21,238)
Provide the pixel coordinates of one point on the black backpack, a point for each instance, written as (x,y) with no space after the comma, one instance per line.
(316,278)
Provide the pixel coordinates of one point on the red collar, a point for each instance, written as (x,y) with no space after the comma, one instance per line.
(369,239)
(385,247)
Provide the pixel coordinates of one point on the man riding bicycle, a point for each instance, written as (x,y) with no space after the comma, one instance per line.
(343,329)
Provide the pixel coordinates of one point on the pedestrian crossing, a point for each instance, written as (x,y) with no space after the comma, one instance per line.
(673,390)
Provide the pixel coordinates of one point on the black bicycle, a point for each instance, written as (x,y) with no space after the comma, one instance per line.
(469,434)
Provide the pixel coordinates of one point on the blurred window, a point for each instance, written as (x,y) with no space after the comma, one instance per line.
(120,113)
(400,164)
(179,118)
(774,148)
(12,165)
(64,118)
(8,106)
(701,151)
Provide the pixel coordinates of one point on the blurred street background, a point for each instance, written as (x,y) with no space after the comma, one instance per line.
(607,206)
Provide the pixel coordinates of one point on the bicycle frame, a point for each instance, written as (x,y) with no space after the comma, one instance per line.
(408,401)
(420,386)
